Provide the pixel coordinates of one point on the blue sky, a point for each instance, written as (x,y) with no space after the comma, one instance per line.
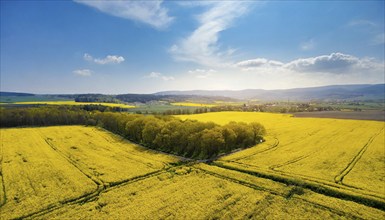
(148,46)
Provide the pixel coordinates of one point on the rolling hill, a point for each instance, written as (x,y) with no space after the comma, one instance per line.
(334,92)
(362,92)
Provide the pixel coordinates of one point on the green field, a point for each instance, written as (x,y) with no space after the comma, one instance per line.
(86,172)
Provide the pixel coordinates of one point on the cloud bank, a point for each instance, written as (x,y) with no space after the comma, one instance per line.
(148,12)
(335,63)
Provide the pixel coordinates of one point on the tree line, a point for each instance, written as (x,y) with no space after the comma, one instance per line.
(187,138)
(274,108)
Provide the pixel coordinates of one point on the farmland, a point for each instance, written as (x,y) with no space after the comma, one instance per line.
(44,167)
(306,168)
(376,115)
(329,152)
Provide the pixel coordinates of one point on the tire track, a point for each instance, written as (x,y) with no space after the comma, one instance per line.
(3,200)
(90,196)
(101,185)
(284,195)
(241,182)
(273,167)
(317,181)
(319,188)
(95,194)
(97,181)
(272,147)
(339,178)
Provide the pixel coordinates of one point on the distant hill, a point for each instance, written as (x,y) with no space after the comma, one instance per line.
(325,93)
(362,92)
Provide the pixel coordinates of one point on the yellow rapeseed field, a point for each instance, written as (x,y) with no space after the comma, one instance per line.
(34,175)
(102,154)
(44,167)
(77,172)
(330,151)
(206,192)
(74,103)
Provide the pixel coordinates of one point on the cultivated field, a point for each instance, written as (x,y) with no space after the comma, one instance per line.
(306,169)
(346,155)
(376,115)
(208,192)
(43,168)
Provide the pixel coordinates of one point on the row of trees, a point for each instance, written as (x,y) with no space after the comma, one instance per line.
(44,116)
(186,138)
(276,108)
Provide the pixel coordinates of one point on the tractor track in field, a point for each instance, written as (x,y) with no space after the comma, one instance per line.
(274,167)
(314,186)
(89,196)
(92,196)
(340,177)
(3,200)
(102,187)
(314,180)
(99,183)
(241,182)
(272,147)
(287,174)
(271,191)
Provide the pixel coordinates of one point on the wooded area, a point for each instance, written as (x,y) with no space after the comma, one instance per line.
(188,138)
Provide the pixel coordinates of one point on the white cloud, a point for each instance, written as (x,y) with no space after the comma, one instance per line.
(201,46)
(110,59)
(113,59)
(335,63)
(159,76)
(257,63)
(148,12)
(332,69)
(88,57)
(154,75)
(262,73)
(83,72)
(202,73)
(307,45)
